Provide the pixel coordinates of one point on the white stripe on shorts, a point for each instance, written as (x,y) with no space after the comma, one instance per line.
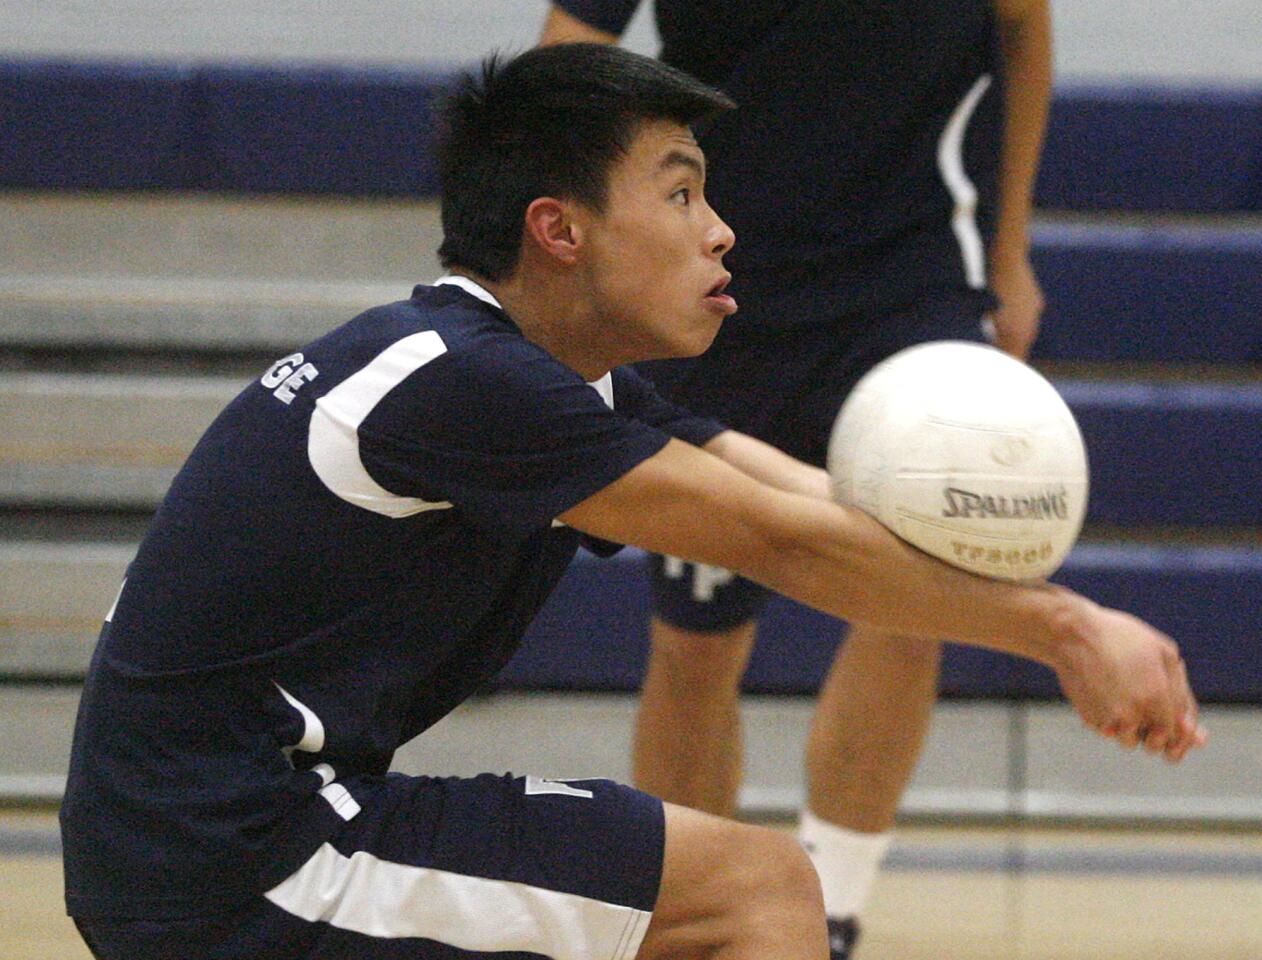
(392,900)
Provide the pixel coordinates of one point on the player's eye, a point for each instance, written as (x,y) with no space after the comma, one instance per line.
(682,196)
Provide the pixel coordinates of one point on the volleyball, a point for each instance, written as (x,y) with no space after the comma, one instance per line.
(966,453)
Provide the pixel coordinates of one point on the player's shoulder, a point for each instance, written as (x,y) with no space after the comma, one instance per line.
(447,348)
(436,323)
(456,316)
(480,339)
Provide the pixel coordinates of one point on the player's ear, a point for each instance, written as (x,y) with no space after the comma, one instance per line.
(550,225)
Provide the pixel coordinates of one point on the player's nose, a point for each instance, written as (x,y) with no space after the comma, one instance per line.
(719,237)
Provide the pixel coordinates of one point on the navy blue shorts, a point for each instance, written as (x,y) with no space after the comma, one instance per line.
(785,384)
(443,868)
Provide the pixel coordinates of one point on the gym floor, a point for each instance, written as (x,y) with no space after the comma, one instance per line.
(1013,892)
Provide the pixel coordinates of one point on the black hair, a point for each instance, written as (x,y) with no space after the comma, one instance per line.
(550,122)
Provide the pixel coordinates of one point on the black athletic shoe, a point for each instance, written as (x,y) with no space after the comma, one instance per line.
(843,934)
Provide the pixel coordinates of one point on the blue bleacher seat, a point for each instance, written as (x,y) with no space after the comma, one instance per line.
(593,632)
(1153,147)
(291,128)
(1160,293)
(94,126)
(1171,454)
(313,130)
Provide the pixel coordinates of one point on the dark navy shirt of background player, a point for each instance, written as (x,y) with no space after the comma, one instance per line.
(180,797)
(827,171)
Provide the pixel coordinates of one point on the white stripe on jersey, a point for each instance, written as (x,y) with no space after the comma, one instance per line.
(604,387)
(312,739)
(333,441)
(340,799)
(468,286)
(951,166)
(109,617)
(379,898)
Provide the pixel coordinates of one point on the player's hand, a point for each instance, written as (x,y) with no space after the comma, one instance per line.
(1016,320)
(1128,682)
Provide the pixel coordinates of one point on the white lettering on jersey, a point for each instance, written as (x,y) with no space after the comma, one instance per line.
(538,785)
(333,440)
(287,375)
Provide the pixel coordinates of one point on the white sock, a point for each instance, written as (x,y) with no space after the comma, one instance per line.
(846,861)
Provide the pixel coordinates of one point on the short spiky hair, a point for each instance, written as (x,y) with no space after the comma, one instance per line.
(550,122)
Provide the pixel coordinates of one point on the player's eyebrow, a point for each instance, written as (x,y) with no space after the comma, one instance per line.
(677,158)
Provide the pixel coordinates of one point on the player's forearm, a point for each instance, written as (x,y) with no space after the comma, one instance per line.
(687,503)
(561,27)
(1026,37)
(845,563)
(769,465)
(1122,676)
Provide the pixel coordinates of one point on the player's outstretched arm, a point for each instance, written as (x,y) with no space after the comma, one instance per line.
(1125,678)
(769,464)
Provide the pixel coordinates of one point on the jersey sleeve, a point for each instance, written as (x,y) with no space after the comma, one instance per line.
(612,16)
(636,396)
(504,433)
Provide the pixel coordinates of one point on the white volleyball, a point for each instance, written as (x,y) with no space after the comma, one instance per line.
(966,453)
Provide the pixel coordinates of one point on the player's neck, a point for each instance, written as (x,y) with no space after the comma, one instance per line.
(552,313)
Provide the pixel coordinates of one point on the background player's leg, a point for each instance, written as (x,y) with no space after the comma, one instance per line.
(866,736)
(730,891)
(688,746)
(869,726)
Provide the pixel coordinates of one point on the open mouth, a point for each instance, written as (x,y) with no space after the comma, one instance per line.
(719,300)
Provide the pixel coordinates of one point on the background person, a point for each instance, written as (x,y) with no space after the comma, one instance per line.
(879,170)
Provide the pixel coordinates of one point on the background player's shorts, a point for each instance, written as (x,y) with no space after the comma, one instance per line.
(443,868)
(784,383)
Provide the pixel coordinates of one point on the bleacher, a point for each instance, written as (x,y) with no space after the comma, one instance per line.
(127,321)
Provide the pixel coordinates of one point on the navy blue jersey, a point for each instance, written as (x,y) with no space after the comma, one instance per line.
(859,168)
(354,546)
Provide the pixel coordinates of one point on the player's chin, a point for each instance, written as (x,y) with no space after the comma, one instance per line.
(705,327)
(698,339)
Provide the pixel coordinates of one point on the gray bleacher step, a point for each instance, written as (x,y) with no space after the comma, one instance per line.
(1161,453)
(966,770)
(53,597)
(103,441)
(147,272)
(57,525)
(179,313)
(195,271)
(222,236)
(356,240)
(85,486)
